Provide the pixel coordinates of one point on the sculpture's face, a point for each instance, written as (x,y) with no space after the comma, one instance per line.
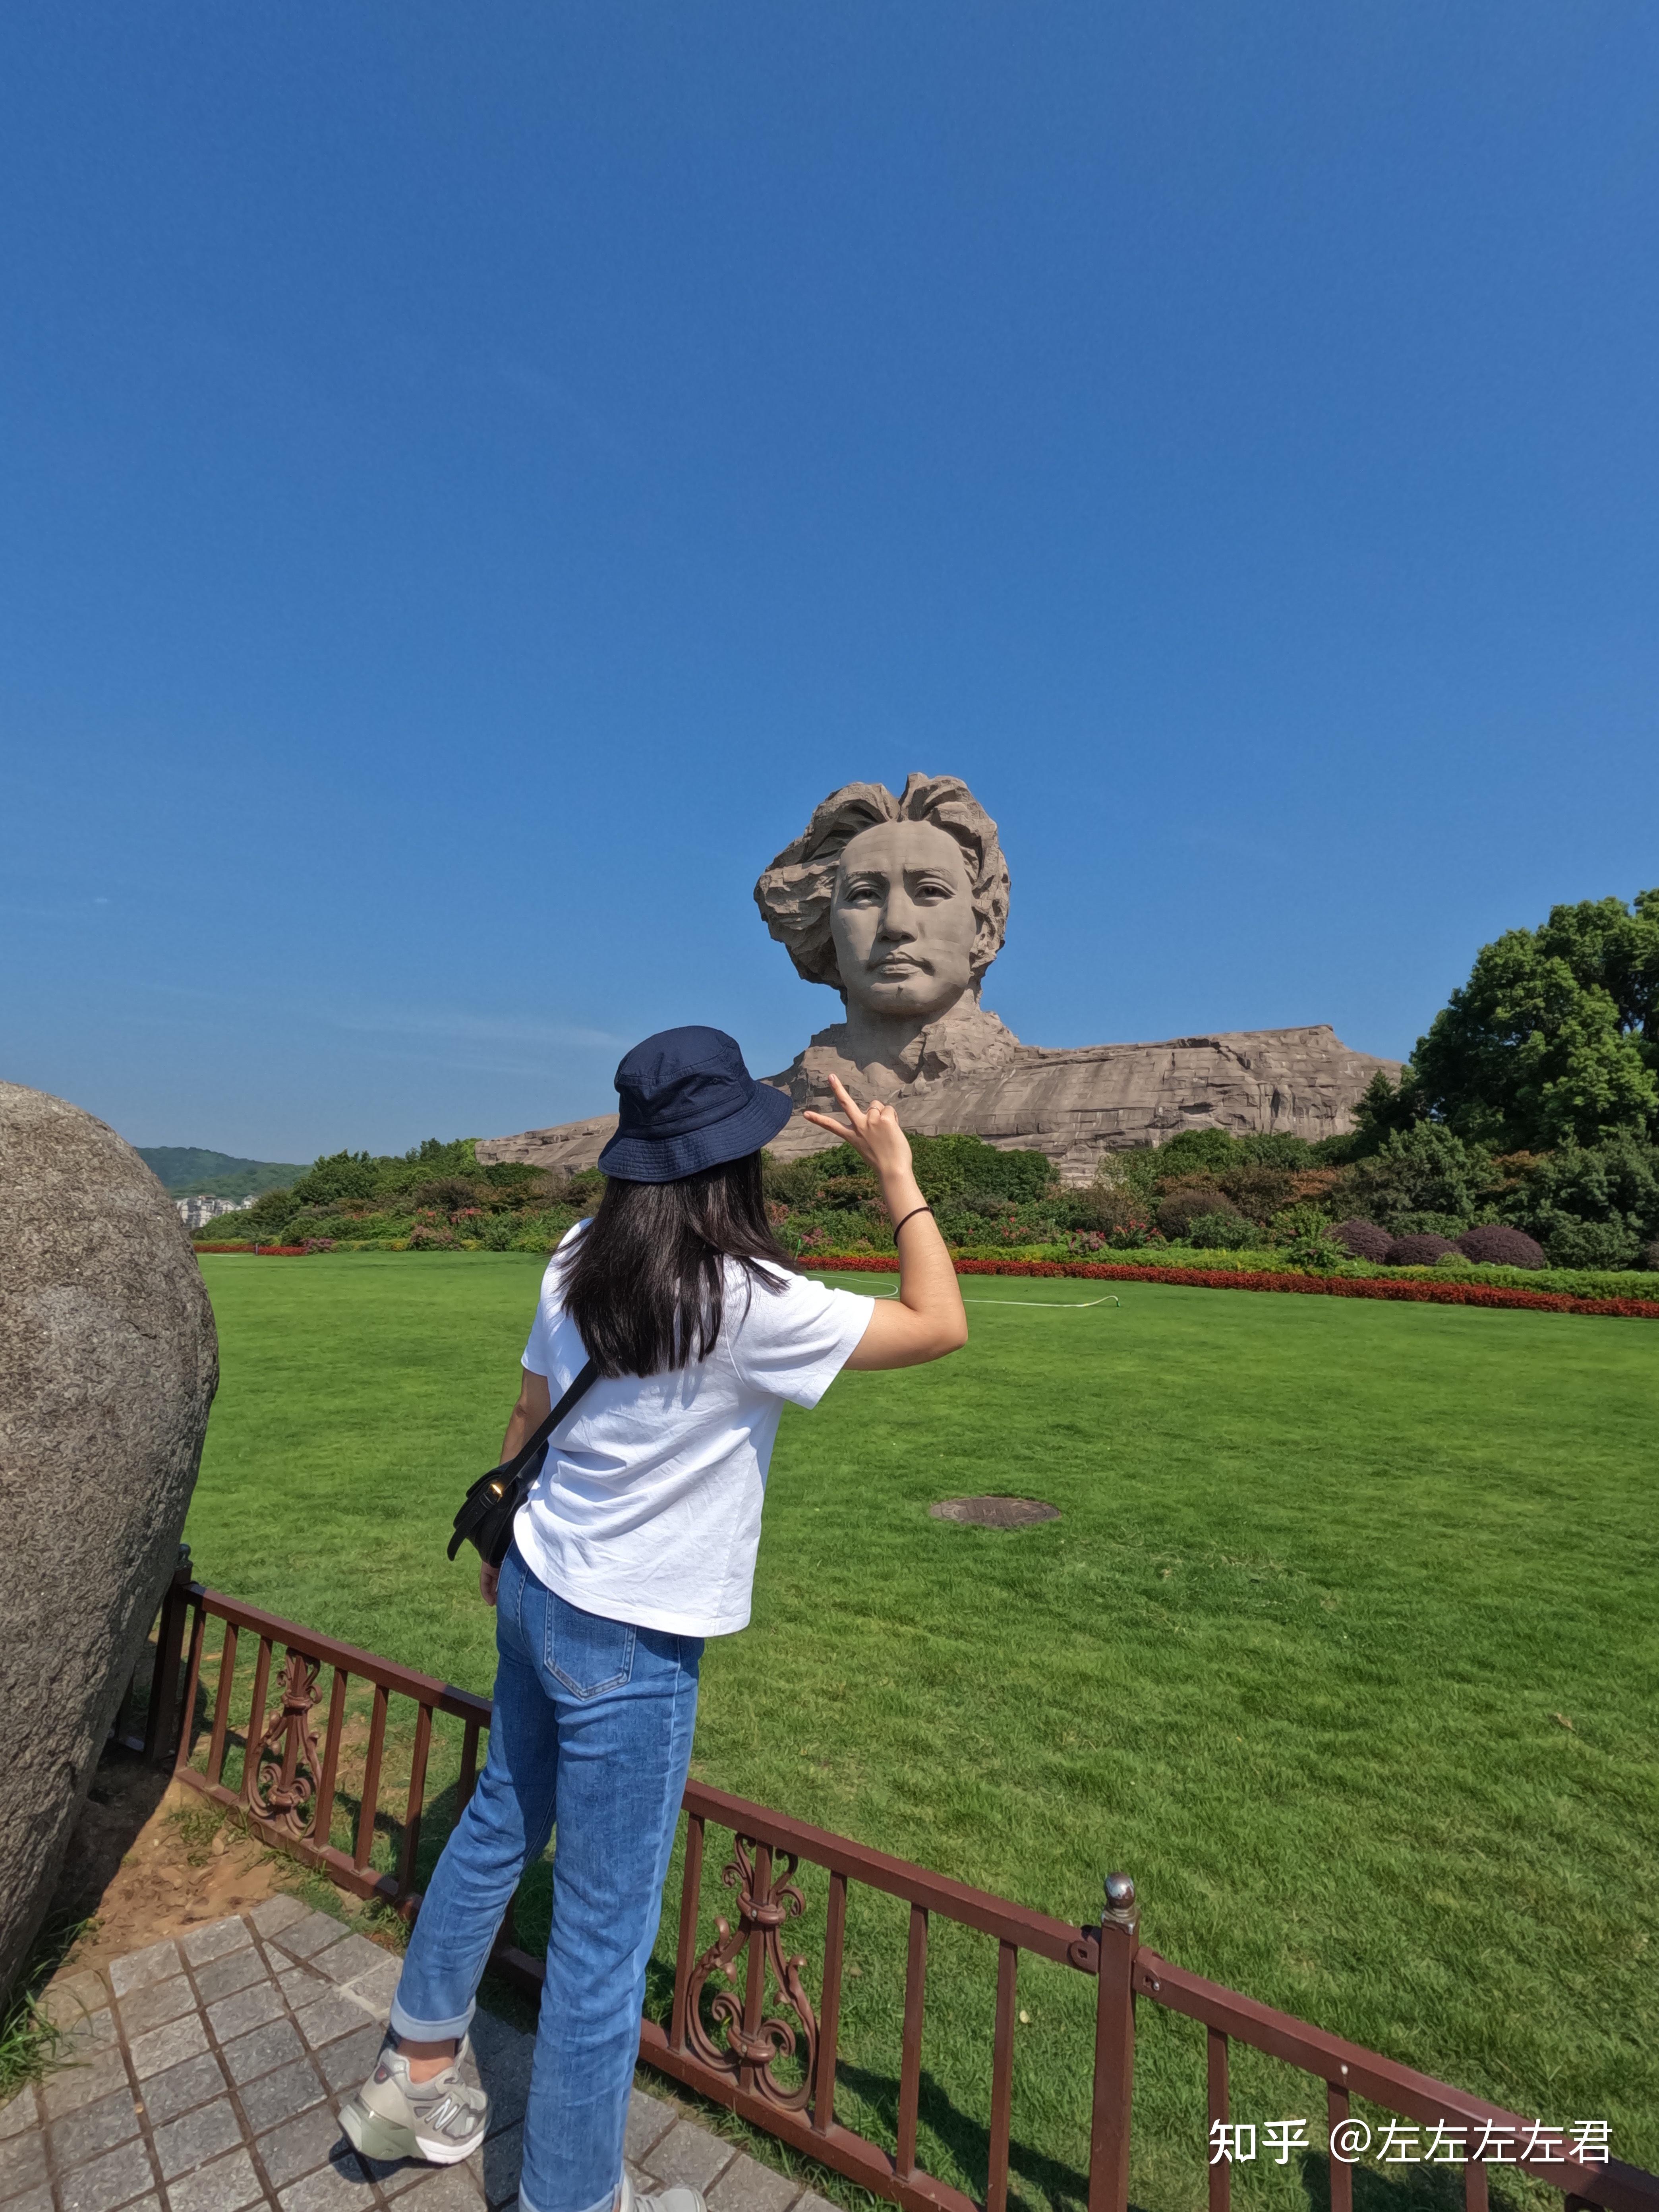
(902,920)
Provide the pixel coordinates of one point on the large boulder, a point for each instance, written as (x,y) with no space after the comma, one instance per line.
(108,1363)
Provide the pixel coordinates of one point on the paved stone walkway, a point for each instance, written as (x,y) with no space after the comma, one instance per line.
(208,2074)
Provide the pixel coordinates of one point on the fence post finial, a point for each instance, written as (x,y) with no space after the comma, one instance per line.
(1114,2048)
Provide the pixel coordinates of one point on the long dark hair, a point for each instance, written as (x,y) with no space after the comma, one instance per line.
(647,1283)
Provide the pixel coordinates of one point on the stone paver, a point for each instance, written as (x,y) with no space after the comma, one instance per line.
(329,2018)
(155,2004)
(115,2178)
(300,2146)
(233,2016)
(275,2097)
(223,1977)
(154,1965)
(689,2156)
(649,2120)
(306,1937)
(209,2073)
(377,1989)
(495,2167)
(22,2112)
(502,2056)
(97,2127)
(347,2063)
(397,2174)
(340,2188)
(747,2186)
(181,2088)
(346,1961)
(225,2186)
(203,1945)
(22,2164)
(38,2199)
(167,2046)
(276,1913)
(448,2190)
(82,2082)
(90,2032)
(276,2044)
(183,2145)
(70,2001)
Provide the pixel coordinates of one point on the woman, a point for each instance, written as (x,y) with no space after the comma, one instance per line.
(637,1542)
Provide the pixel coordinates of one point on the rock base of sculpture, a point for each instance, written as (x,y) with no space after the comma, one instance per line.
(108,1363)
(1073,1105)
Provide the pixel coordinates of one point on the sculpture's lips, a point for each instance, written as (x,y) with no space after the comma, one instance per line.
(898,963)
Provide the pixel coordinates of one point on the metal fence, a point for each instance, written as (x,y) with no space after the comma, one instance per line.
(745,2030)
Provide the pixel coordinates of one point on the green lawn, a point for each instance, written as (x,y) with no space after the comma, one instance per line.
(1343,1645)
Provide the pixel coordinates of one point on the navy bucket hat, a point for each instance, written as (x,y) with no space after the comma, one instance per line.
(689,1102)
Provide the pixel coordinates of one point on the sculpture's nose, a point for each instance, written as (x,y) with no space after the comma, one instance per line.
(898,915)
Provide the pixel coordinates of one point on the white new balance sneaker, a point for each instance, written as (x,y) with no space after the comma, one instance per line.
(661,2200)
(443,2120)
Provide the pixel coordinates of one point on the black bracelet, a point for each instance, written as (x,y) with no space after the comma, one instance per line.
(910,1216)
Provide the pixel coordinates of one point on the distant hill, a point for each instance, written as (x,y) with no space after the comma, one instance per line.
(186,1171)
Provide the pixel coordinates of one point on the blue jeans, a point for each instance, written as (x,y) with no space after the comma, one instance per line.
(592,1736)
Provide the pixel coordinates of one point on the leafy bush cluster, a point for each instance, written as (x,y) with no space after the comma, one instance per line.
(1204,1189)
(1420,1195)
(1580,1206)
(436,1198)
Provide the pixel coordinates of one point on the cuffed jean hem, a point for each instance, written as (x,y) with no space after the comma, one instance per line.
(431,2031)
(604,2204)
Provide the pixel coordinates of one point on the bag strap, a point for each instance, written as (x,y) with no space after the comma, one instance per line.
(527,1451)
(490,1490)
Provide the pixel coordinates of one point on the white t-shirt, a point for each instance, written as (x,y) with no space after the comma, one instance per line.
(647,1508)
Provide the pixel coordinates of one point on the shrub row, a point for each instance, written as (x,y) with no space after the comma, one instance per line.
(1415,1292)
(1492,1244)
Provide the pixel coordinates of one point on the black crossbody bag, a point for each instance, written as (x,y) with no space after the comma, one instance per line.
(489,1508)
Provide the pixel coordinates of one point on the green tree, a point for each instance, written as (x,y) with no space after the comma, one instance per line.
(1555,1037)
(1425,1177)
(337,1176)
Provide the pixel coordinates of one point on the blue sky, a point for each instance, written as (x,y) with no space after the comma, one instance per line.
(472,479)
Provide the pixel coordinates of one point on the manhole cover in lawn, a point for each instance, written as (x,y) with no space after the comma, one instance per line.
(994,1512)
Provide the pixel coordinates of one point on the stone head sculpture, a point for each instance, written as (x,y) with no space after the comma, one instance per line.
(900,903)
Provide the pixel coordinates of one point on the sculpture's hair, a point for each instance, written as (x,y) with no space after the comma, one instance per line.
(796,892)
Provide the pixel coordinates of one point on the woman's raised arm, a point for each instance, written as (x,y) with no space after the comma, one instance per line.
(926,1319)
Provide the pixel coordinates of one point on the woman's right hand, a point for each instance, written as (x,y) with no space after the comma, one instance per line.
(873,1132)
(925,1320)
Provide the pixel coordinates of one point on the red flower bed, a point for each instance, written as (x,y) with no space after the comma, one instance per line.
(1220,1279)
(265,1251)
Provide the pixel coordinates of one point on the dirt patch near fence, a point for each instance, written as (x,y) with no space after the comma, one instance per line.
(151,1858)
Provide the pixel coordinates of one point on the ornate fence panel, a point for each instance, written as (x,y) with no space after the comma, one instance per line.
(762,2012)
(290,1777)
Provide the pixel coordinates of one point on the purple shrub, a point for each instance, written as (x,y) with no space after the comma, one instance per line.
(1420,1251)
(1495,1245)
(1363,1239)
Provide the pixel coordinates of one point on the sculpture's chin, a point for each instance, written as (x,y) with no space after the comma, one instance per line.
(910,1002)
